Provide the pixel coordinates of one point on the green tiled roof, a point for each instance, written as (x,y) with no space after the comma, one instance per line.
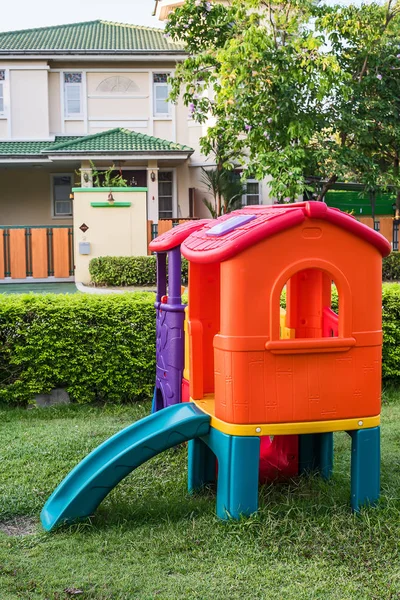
(33,148)
(95,37)
(116,140)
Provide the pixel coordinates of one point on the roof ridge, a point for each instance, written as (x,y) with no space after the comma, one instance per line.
(51,27)
(97,36)
(157,138)
(129,139)
(32,147)
(80,23)
(83,137)
(131,25)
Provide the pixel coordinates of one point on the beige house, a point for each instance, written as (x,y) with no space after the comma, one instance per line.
(74,95)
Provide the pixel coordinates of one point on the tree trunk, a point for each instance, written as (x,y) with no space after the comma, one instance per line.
(372,199)
(219,205)
(396,172)
(327,185)
(219,195)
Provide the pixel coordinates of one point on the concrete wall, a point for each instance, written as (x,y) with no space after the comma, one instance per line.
(26,100)
(26,198)
(120,98)
(29,104)
(3,129)
(113,231)
(74,128)
(183,185)
(55,103)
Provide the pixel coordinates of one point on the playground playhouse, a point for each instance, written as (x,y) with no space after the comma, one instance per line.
(257,390)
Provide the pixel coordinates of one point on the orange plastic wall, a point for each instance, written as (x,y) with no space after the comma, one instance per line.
(262,379)
(307,292)
(203,324)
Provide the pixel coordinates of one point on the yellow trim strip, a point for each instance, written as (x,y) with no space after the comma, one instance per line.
(286,428)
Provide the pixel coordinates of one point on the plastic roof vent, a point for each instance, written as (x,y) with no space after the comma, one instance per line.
(229,225)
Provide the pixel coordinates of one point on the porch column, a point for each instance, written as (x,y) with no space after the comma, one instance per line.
(152,194)
(86,174)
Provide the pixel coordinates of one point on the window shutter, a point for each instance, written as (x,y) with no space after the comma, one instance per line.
(1,97)
(161,99)
(252,192)
(62,186)
(72,99)
(165,194)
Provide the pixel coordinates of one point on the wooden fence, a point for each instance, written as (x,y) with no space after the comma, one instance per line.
(38,251)
(387,226)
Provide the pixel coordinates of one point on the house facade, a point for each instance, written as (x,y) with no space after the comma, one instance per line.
(86,96)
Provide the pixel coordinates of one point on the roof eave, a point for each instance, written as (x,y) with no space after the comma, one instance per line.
(160,154)
(8,158)
(68,53)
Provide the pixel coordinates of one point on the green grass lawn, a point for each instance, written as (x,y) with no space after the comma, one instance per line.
(151,540)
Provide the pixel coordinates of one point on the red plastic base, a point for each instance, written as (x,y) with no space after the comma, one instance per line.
(185,391)
(279,457)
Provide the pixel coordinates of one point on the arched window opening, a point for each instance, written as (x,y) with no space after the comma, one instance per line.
(309,306)
(118,84)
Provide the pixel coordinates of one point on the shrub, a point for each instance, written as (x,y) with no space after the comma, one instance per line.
(141,270)
(391,267)
(391,332)
(98,347)
(127,271)
(102,348)
(123,270)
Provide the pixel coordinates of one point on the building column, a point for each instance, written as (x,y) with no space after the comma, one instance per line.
(86,174)
(152,191)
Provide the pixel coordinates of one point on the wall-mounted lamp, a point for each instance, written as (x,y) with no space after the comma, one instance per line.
(86,177)
(153,176)
(110,197)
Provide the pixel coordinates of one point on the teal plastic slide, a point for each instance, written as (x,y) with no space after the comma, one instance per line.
(88,483)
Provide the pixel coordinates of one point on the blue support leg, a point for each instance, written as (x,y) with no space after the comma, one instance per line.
(325,449)
(316,453)
(201,465)
(307,458)
(238,464)
(154,402)
(365,467)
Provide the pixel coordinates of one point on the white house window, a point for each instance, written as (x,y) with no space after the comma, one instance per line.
(62,203)
(160,93)
(165,194)
(73,95)
(252,192)
(2,80)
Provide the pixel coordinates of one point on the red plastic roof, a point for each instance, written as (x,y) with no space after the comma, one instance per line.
(175,236)
(205,246)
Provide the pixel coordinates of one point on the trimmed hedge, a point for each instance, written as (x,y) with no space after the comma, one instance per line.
(97,347)
(102,348)
(391,332)
(115,271)
(127,271)
(391,267)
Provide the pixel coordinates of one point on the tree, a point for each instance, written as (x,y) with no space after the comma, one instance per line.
(294,89)
(266,79)
(361,140)
(225,188)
